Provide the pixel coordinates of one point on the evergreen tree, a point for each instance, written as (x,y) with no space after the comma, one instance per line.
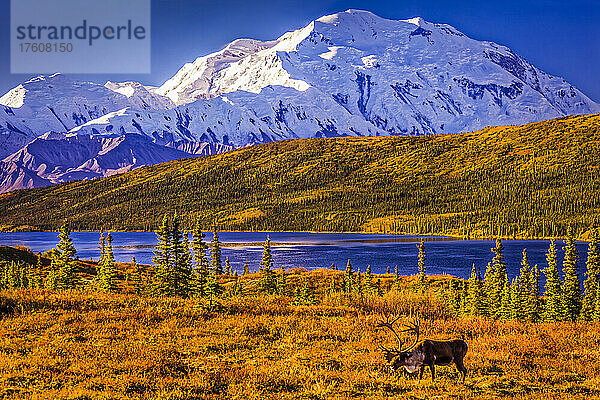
(421,264)
(63,274)
(107,273)
(138,278)
(505,311)
(473,301)
(101,247)
(215,254)
(378,289)
(553,310)
(212,289)
(516,299)
(199,248)
(358,286)
(332,286)
(238,289)
(453,298)
(499,284)
(268,283)
(246,268)
(348,278)
(35,278)
(592,282)
(306,294)
(267,257)
(163,258)
(177,279)
(369,287)
(282,282)
(571,289)
(387,271)
(227,266)
(184,271)
(396,279)
(528,290)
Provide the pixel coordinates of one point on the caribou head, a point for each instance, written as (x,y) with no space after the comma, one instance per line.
(402,356)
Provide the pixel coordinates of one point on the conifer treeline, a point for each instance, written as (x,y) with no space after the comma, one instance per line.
(182,268)
(494,296)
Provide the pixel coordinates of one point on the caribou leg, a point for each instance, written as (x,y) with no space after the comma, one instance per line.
(421,372)
(461,367)
(432,367)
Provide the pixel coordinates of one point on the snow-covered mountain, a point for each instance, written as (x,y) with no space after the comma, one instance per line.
(58,103)
(350,73)
(57,157)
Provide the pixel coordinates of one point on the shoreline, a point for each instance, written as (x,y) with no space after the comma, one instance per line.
(426,237)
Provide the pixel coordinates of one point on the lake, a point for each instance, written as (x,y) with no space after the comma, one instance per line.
(319,250)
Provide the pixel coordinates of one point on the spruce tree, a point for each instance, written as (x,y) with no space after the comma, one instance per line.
(526,292)
(453,298)
(369,287)
(227,266)
(63,275)
(215,254)
(35,278)
(268,282)
(348,278)
(199,248)
(138,278)
(571,289)
(592,282)
(101,247)
(332,286)
(163,258)
(396,279)
(107,273)
(553,310)
(184,271)
(246,268)
(267,257)
(499,283)
(473,301)
(421,264)
(282,282)
(212,289)
(177,276)
(505,311)
(516,299)
(358,286)
(378,288)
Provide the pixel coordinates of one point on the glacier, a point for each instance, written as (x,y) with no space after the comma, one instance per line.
(351,73)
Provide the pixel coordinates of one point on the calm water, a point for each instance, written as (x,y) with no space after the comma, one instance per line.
(317,250)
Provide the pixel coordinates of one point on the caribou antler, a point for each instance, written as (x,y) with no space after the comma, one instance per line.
(414,328)
(390,326)
(409,327)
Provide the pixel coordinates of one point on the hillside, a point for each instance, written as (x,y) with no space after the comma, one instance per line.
(351,73)
(523,181)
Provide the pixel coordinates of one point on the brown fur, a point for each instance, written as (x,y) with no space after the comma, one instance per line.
(430,353)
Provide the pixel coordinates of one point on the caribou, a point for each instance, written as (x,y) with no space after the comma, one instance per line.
(427,353)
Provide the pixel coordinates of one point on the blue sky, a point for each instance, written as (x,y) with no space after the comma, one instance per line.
(560,37)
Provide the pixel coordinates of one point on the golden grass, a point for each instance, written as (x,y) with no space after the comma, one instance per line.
(82,345)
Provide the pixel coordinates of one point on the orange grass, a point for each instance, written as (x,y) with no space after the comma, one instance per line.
(83,345)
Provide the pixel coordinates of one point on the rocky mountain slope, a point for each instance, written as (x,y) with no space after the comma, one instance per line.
(347,74)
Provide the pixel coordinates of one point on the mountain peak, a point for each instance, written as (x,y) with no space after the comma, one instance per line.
(352,73)
(418,21)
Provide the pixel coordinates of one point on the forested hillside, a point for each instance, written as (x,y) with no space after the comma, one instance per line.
(524,181)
